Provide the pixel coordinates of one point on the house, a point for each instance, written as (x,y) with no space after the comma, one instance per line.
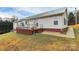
(55,20)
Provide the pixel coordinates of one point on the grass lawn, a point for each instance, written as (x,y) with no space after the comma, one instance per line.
(18,42)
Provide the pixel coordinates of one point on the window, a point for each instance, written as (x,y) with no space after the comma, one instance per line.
(64,21)
(55,22)
(36,24)
(25,22)
(22,24)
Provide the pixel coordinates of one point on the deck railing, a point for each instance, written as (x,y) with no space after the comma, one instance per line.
(29,28)
(23,27)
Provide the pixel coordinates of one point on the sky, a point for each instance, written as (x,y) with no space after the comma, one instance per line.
(22,12)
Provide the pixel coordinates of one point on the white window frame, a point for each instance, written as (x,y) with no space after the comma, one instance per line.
(55,22)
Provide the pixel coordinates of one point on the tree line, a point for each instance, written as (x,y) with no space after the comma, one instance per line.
(5,26)
(72,18)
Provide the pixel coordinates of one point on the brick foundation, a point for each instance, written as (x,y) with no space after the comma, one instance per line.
(24,31)
(32,31)
(52,30)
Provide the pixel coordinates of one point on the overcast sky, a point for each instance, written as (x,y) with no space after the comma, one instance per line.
(25,11)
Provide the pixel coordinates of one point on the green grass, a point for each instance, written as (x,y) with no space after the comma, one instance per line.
(37,42)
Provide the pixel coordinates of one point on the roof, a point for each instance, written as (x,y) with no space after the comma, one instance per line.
(49,13)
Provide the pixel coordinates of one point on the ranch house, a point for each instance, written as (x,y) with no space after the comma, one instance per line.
(54,21)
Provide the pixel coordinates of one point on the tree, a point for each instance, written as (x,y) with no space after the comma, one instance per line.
(78,17)
(71,19)
(5,26)
(14,18)
(0,18)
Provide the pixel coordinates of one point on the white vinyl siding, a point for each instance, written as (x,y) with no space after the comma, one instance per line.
(65,22)
(49,22)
